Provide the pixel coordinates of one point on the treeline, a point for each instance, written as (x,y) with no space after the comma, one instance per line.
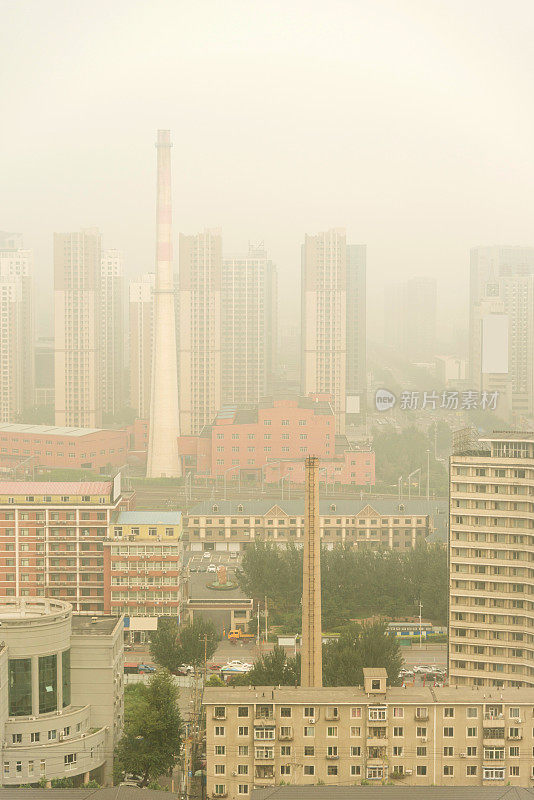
(355,583)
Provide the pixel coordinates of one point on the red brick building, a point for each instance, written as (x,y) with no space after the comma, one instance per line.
(273,439)
(61,448)
(52,538)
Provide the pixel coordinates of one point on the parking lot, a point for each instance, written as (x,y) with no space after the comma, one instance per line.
(199,562)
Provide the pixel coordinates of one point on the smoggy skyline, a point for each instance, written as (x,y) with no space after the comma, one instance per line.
(410,124)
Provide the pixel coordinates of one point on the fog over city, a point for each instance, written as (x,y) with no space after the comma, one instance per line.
(267,399)
(409,123)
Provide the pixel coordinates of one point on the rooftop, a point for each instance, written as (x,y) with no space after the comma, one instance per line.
(21,608)
(149,518)
(326,506)
(102,625)
(505,436)
(338,695)
(109,793)
(55,487)
(391,793)
(46,430)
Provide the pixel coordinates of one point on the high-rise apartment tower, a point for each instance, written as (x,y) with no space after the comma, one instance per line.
(77,324)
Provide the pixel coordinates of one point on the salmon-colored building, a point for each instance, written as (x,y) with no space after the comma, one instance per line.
(61,448)
(272,439)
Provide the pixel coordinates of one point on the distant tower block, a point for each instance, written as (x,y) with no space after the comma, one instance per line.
(163,459)
(311,657)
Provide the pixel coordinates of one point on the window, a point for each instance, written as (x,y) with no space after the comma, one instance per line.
(52,735)
(16,738)
(420,769)
(472,732)
(332,769)
(354,731)
(398,712)
(285,750)
(20,688)
(286,732)
(356,713)
(375,773)
(309,769)
(309,711)
(220,731)
(377,714)
(331,751)
(309,731)
(220,769)
(242,730)
(285,711)
(355,769)
(471,751)
(47,684)
(70,760)
(448,770)
(514,752)
(493,774)
(35,736)
(220,788)
(309,750)
(242,750)
(421,751)
(471,770)
(398,731)
(472,713)
(220,749)
(448,752)
(514,772)
(448,712)
(242,788)
(285,769)
(421,731)
(356,752)
(332,731)
(448,732)
(242,711)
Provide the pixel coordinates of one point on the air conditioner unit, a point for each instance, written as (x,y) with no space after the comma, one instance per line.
(463,755)
(407,771)
(312,720)
(424,739)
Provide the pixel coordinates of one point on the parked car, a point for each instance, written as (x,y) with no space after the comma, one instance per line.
(212,568)
(207,554)
(143,668)
(233,554)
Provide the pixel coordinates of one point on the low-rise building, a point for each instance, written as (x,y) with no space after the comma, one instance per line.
(61,692)
(142,564)
(52,538)
(230,525)
(262,736)
(96,449)
(270,440)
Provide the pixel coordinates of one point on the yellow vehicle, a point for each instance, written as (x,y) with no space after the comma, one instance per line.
(237,633)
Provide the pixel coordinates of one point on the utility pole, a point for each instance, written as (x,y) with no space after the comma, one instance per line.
(420,627)
(266,619)
(428,475)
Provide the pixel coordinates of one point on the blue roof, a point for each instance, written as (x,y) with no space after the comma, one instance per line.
(149,518)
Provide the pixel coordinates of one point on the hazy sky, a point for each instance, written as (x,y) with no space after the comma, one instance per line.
(410,123)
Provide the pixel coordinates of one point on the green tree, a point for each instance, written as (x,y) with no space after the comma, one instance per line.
(272,669)
(152,738)
(359,646)
(171,646)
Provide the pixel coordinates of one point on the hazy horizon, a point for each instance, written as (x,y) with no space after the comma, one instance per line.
(410,124)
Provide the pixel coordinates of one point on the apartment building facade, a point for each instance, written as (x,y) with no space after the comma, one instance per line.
(491,642)
(142,566)
(259,736)
(200,286)
(228,525)
(52,538)
(333,322)
(77,328)
(248,326)
(17,371)
(141,341)
(61,693)
(112,331)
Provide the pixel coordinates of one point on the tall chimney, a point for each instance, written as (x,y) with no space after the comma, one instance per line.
(163,460)
(311,671)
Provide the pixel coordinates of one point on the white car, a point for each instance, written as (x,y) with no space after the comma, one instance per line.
(207,554)
(212,568)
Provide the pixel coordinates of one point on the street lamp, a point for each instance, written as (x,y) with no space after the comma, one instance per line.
(236,466)
(282,479)
(428,475)
(410,476)
(399,487)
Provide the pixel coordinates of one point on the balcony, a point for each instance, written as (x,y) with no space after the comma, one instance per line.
(262,719)
(332,757)
(265,781)
(421,716)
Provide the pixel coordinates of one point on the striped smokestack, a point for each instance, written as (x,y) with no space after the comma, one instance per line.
(163,460)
